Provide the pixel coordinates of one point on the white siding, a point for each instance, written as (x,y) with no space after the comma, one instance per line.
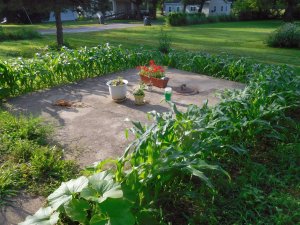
(219,7)
(173,7)
(68,15)
(211,8)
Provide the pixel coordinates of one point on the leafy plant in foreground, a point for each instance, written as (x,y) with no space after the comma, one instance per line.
(97,199)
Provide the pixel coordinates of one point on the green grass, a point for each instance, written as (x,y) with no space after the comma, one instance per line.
(68,24)
(27,162)
(236,38)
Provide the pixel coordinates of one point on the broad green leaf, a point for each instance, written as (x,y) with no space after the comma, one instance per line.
(64,193)
(199,174)
(77,210)
(118,211)
(99,220)
(102,186)
(44,216)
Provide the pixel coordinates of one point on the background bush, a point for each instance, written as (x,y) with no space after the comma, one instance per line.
(20,76)
(180,19)
(10,34)
(287,35)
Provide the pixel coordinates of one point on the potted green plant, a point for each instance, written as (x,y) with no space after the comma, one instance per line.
(153,74)
(117,88)
(139,95)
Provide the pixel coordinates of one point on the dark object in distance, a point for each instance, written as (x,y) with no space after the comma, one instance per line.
(147,21)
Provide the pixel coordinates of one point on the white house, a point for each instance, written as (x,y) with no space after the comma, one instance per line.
(210,8)
(68,15)
(117,6)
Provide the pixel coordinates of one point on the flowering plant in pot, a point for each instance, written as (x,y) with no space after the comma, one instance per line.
(139,95)
(153,74)
(117,88)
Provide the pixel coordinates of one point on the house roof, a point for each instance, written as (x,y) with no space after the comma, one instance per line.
(179,1)
(173,1)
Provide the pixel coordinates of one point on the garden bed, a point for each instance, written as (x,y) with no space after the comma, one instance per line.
(232,163)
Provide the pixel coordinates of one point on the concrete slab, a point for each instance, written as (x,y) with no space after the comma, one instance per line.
(96,130)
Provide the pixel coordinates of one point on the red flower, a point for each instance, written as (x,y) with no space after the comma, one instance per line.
(152,71)
(151,62)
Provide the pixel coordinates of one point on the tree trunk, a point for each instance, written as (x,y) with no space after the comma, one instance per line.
(162,8)
(138,12)
(201,6)
(153,9)
(289,11)
(184,7)
(59,28)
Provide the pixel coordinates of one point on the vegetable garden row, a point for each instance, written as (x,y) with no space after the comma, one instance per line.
(183,155)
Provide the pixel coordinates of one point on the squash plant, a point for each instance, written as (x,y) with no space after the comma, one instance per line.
(92,200)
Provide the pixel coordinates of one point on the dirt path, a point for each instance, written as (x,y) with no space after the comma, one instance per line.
(92,28)
(95,129)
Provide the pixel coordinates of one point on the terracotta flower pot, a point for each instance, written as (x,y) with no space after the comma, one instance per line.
(160,83)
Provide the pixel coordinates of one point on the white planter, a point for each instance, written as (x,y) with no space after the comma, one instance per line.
(118,92)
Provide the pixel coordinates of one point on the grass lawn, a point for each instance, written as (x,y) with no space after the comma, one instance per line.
(67,24)
(236,38)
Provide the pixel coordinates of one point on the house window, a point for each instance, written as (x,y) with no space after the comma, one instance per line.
(170,9)
(221,8)
(215,9)
(193,8)
(226,8)
(178,8)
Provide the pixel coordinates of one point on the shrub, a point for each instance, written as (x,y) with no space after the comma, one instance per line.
(195,18)
(9,34)
(287,35)
(164,42)
(176,19)
(180,19)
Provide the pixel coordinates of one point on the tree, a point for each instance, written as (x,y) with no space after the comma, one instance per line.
(289,10)
(100,5)
(39,6)
(138,4)
(57,6)
(153,8)
(201,4)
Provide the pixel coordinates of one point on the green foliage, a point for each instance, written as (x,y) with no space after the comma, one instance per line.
(140,90)
(164,42)
(258,9)
(25,159)
(176,19)
(287,35)
(117,82)
(179,162)
(51,69)
(97,199)
(7,34)
(181,19)
(9,182)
